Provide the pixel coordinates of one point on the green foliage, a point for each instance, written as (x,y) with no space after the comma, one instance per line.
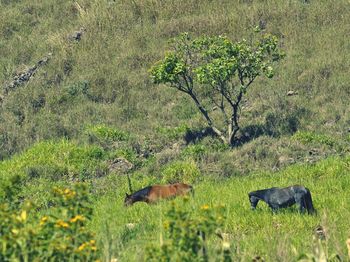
(311,137)
(70,92)
(53,160)
(131,155)
(173,133)
(186,234)
(106,134)
(59,235)
(320,253)
(217,70)
(103,79)
(169,70)
(196,151)
(12,191)
(248,234)
(277,124)
(181,171)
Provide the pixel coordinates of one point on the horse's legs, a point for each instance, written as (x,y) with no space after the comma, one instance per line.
(253,201)
(300,201)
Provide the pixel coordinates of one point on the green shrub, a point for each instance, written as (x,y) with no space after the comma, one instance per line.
(181,171)
(53,160)
(103,133)
(187,233)
(173,132)
(196,151)
(310,137)
(277,124)
(77,88)
(320,252)
(59,235)
(53,172)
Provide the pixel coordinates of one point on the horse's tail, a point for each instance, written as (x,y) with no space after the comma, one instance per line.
(129,184)
(308,202)
(192,190)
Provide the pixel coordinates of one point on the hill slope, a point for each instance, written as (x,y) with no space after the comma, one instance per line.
(103,78)
(77,99)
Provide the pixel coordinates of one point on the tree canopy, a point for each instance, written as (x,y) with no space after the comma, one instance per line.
(218,70)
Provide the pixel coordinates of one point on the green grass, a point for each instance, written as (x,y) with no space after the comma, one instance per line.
(282,236)
(104,78)
(95,101)
(49,163)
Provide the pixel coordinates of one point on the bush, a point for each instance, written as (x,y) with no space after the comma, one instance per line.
(186,234)
(181,171)
(310,137)
(59,235)
(277,124)
(51,172)
(196,151)
(173,132)
(52,161)
(105,134)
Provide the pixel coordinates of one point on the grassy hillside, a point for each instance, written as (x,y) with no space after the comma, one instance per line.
(93,102)
(104,77)
(125,233)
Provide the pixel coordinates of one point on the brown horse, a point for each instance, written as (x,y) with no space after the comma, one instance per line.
(152,194)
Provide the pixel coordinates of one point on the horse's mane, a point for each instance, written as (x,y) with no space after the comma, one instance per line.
(142,192)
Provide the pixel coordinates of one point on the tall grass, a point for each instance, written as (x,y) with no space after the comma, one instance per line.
(276,237)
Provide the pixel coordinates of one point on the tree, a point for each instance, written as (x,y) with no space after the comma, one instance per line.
(216,72)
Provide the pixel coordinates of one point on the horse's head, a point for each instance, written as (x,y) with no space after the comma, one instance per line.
(128,201)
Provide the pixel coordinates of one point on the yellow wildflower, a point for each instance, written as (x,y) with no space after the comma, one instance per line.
(24,215)
(15,231)
(226,245)
(61,223)
(77,218)
(93,248)
(81,247)
(92,242)
(205,207)
(43,220)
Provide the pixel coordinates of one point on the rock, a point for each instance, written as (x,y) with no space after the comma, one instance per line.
(176,147)
(120,164)
(313,151)
(258,258)
(292,93)
(76,36)
(130,226)
(285,160)
(25,76)
(262,24)
(320,232)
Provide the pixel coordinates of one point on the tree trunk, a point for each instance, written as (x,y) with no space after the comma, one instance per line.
(207,117)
